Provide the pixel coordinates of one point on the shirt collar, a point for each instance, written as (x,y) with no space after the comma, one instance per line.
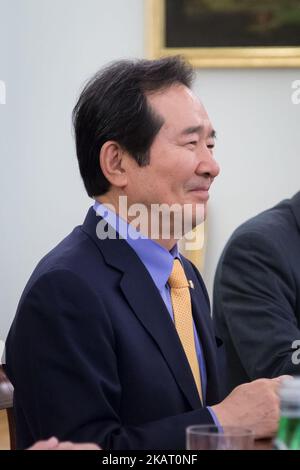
(157,260)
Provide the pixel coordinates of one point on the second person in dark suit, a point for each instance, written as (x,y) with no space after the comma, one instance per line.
(257,295)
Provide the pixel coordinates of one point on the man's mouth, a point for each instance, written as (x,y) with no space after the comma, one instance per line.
(202,192)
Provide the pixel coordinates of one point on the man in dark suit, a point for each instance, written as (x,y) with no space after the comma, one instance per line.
(257,295)
(112,342)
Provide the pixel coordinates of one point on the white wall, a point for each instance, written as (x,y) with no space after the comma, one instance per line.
(48,48)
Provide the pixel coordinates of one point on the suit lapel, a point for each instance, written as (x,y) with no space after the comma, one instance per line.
(201,315)
(147,304)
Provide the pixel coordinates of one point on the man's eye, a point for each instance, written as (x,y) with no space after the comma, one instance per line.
(211,146)
(193,142)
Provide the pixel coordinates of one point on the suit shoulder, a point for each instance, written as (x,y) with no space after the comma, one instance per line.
(75,254)
(269,225)
(271,235)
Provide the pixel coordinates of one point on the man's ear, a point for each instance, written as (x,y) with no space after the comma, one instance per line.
(112,162)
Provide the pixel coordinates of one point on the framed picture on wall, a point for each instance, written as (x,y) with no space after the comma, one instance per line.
(226,33)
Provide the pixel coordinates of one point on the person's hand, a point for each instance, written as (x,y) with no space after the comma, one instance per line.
(48,444)
(73,446)
(54,444)
(253,406)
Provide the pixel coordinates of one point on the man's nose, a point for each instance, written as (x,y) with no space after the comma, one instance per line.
(208,166)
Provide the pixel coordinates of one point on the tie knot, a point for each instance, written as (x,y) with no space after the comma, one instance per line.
(178,279)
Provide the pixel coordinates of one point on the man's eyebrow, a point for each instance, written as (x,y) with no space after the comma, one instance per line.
(198,130)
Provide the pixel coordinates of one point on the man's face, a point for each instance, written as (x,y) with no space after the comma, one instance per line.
(182,166)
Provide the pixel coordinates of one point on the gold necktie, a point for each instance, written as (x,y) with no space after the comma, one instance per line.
(182,309)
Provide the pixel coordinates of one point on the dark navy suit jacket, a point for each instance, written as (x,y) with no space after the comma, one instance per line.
(94,355)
